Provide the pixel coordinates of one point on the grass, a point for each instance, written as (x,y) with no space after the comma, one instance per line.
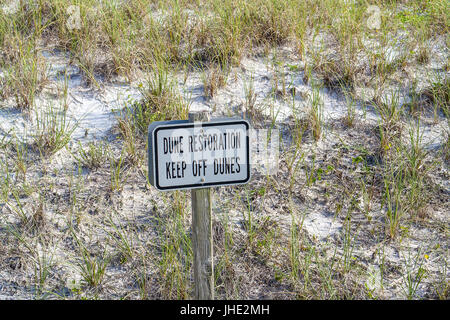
(438,94)
(316,113)
(123,239)
(116,170)
(26,74)
(213,80)
(43,270)
(295,253)
(414,275)
(175,259)
(53,130)
(378,179)
(160,101)
(93,155)
(92,269)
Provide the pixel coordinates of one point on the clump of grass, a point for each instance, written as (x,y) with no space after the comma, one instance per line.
(414,275)
(441,285)
(315,114)
(438,93)
(250,97)
(5,176)
(93,155)
(417,170)
(20,151)
(446,148)
(334,73)
(348,245)
(53,130)
(213,81)
(351,110)
(394,187)
(42,269)
(123,238)
(294,252)
(38,221)
(405,181)
(92,269)
(92,266)
(415,104)
(423,55)
(25,72)
(116,167)
(390,126)
(160,101)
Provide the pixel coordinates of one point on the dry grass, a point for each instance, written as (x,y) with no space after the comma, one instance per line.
(94,227)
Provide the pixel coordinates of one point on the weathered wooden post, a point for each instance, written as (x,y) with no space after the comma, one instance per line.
(202,242)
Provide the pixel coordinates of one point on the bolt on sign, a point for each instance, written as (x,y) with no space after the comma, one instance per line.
(189,155)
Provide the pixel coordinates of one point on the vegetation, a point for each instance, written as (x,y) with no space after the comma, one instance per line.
(364,151)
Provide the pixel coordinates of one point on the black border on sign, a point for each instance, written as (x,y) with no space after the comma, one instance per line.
(192,125)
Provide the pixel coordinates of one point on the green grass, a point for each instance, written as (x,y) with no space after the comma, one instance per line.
(379,181)
(53,130)
(175,256)
(93,155)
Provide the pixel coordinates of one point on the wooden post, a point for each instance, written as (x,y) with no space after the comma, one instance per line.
(202,242)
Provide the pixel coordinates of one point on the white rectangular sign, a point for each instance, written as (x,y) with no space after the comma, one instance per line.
(185,155)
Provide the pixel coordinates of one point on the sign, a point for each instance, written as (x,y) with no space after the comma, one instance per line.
(186,155)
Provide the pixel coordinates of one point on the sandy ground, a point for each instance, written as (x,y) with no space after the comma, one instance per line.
(94,111)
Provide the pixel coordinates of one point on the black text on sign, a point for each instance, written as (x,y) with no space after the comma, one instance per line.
(199,155)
